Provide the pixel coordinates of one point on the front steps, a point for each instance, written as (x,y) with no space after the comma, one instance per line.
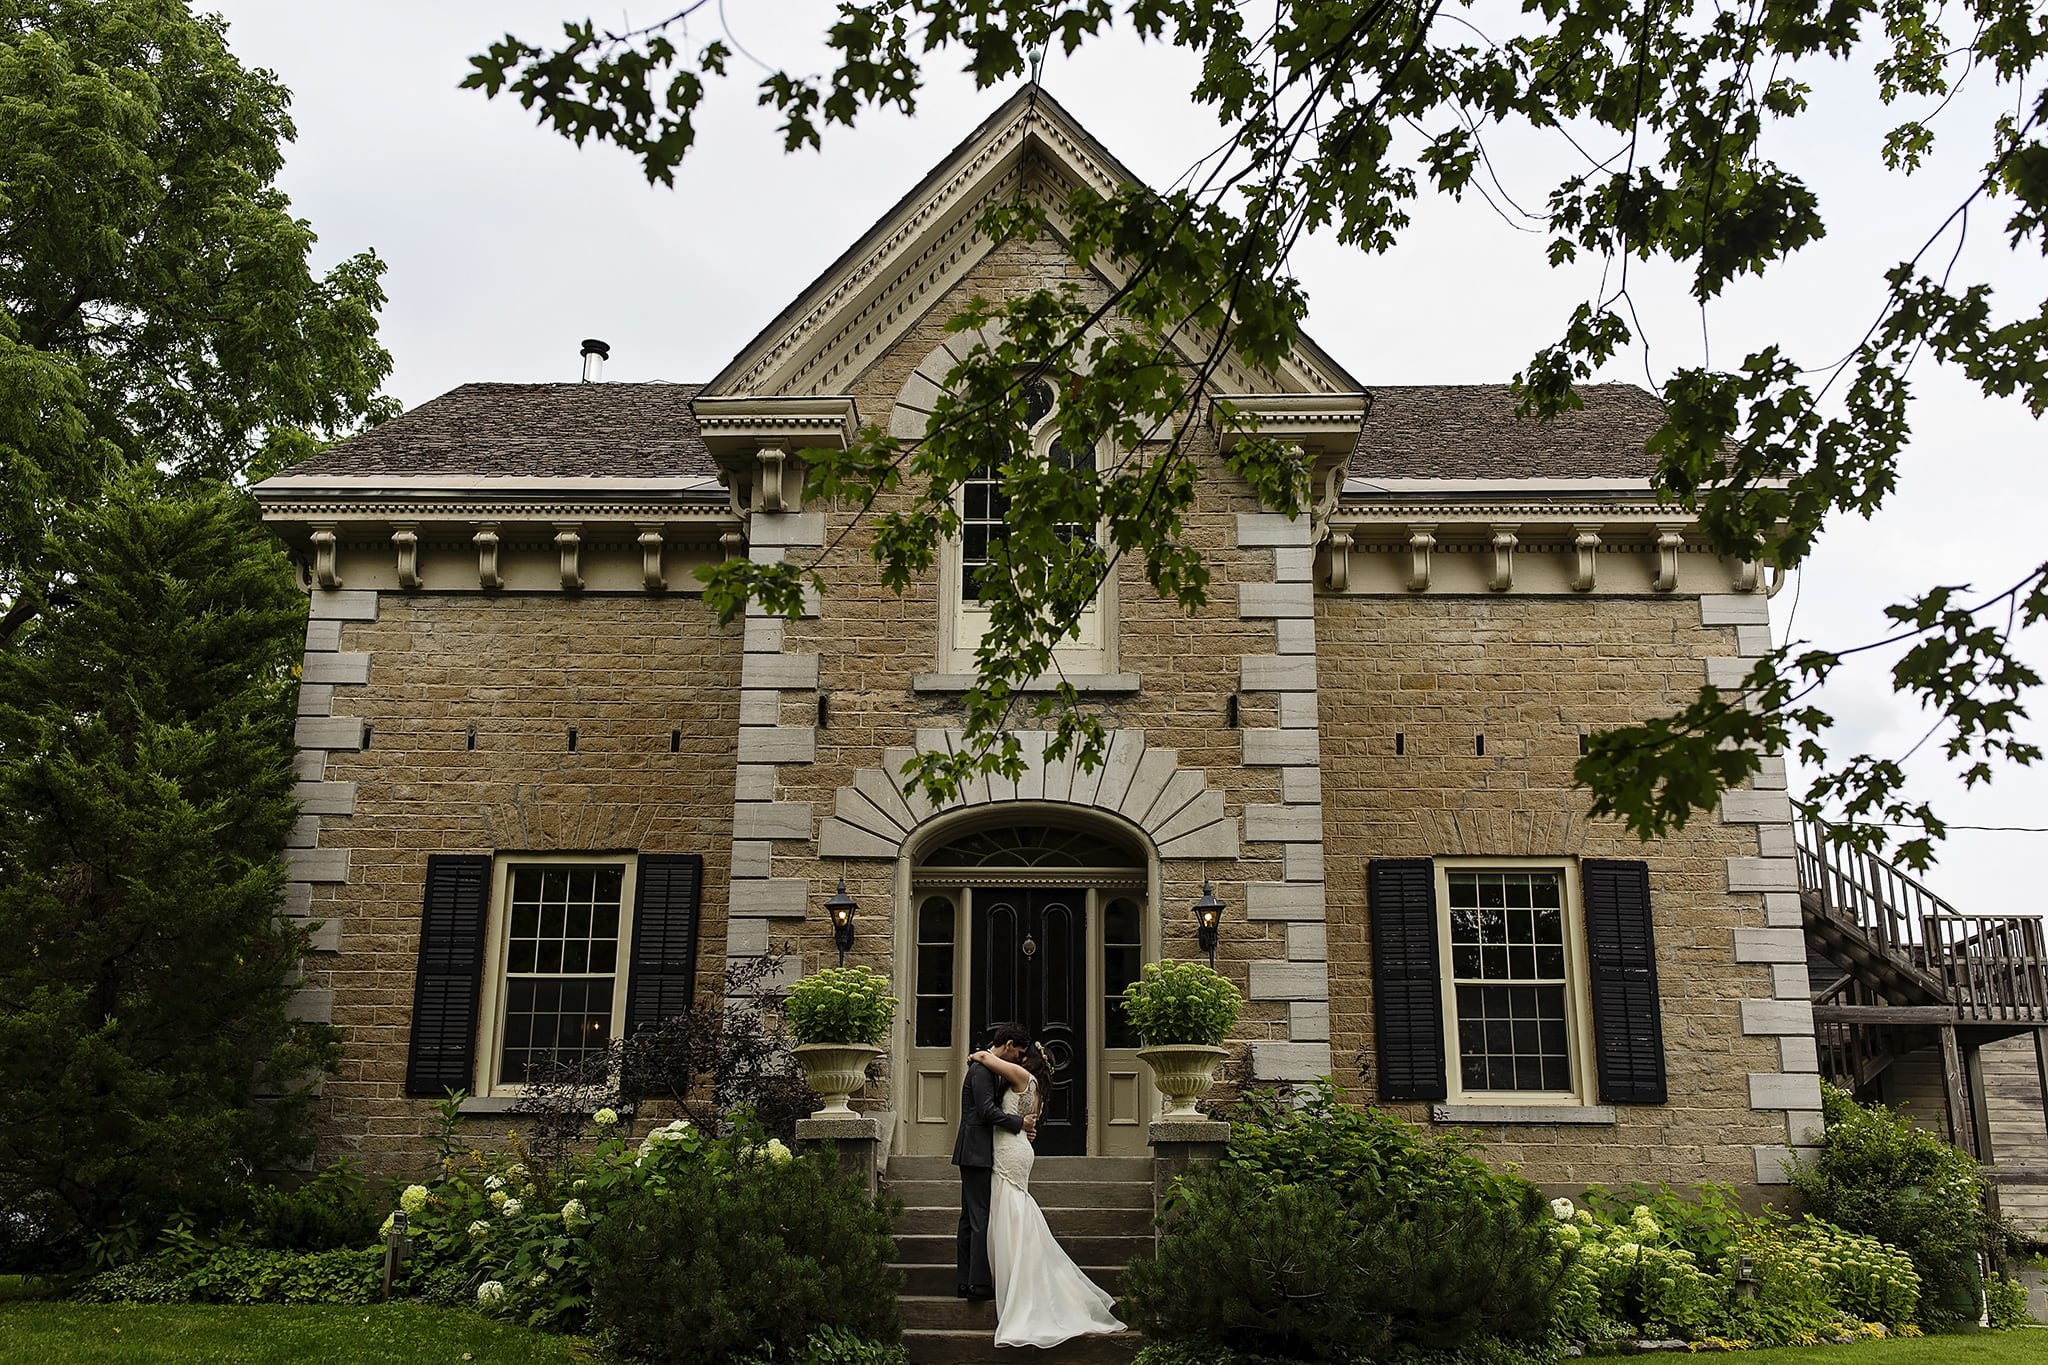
(1100,1208)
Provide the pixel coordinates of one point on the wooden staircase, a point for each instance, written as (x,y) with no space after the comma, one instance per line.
(1895,969)
(1100,1208)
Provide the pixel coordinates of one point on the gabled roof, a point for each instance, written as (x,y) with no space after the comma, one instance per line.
(905,263)
(552,431)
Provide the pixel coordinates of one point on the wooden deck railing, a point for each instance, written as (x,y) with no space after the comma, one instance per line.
(1993,968)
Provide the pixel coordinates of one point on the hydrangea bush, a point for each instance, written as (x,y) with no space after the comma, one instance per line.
(841,1005)
(516,1241)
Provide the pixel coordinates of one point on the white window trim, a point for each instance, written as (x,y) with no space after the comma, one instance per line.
(1090,652)
(491,1015)
(1578,1005)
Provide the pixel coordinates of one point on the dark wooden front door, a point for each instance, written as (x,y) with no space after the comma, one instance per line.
(1031,968)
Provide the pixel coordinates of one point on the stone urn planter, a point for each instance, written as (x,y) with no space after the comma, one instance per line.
(1183,1072)
(837,1071)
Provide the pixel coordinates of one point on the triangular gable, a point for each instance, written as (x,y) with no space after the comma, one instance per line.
(905,264)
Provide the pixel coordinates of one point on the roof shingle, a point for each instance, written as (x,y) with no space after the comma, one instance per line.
(1443,431)
(533,431)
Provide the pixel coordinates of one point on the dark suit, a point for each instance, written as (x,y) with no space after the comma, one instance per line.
(974,1152)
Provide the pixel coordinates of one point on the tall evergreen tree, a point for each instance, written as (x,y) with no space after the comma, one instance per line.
(145,776)
(162,337)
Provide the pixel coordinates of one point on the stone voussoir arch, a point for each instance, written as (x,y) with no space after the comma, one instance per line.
(1177,809)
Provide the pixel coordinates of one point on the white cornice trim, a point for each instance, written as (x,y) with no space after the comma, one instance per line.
(299,509)
(503,485)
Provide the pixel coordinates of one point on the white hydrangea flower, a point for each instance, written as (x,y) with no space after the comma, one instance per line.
(490,1292)
(512,1208)
(667,1133)
(1562,1210)
(414,1200)
(605,1118)
(479,1228)
(496,1182)
(498,1197)
(574,1214)
(777,1153)
(540,1278)
(529,1190)
(516,1171)
(384,1230)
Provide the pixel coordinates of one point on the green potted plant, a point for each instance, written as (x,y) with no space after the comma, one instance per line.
(839,1017)
(1182,1012)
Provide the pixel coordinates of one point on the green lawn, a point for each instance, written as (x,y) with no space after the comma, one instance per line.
(267,1334)
(2025,1346)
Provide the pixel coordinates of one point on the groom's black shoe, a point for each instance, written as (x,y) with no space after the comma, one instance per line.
(978,1293)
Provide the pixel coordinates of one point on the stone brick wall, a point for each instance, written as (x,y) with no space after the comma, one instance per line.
(1531,675)
(625,671)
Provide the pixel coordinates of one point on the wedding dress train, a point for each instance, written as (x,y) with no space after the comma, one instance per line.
(1042,1298)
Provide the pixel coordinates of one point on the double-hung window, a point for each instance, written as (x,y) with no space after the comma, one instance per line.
(528,960)
(983,511)
(1505,985)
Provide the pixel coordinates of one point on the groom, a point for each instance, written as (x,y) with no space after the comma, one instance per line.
(974,1152)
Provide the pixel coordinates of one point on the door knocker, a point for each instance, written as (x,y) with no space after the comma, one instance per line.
(1030,946)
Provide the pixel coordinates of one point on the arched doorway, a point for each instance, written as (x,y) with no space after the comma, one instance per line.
(1038,916)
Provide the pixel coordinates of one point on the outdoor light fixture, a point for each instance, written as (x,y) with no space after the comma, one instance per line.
(1208,915)
(842,909)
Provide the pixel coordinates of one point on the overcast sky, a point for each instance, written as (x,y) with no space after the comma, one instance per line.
(507,245)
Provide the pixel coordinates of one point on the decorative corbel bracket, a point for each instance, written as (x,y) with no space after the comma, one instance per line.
(486,540)
(1333,492)
(774,461)
(405,539)
(1587,545)
(1421,541)
(569,540)
(650,558)
(326,550)
(1670,536)
(1338,552)
(1504,542)
(1748,575)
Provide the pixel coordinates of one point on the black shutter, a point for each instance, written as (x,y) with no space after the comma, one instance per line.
(1627,1028)
(1406,978)
(450,975)
(663,974)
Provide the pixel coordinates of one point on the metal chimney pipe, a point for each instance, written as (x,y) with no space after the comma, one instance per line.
(595,353)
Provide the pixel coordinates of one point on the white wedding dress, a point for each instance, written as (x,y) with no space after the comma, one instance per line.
(1042,1298)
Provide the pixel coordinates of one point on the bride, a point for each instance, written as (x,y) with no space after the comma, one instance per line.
(1042,1298)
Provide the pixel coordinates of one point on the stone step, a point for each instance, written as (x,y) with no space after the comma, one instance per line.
(1065,1222)
(937,1249)
(937,1281)
(902,1168)
(979,1348)
(1050,1194)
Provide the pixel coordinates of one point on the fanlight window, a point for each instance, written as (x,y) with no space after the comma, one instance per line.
(1033,846)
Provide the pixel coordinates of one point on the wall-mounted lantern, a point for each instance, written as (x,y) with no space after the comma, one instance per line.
(842,909)
(1208,916)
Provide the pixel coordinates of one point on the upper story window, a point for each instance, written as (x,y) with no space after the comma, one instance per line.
(983,524)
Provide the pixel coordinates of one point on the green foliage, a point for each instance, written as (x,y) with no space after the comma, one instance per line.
(145,765)
(241,1275)
(835,1346)
(732,1252)
(157,310)
(840,1005)
(1313,1198)
(1181,1002)
(1668,115)
(1637,1278)
(2005,1301)
(333,1209)
(551,1247)
(1878,1174)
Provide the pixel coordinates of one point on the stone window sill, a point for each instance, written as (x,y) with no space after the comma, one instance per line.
(1582,1114)
(1085,683)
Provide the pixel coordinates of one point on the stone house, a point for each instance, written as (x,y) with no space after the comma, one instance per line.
(547,796)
